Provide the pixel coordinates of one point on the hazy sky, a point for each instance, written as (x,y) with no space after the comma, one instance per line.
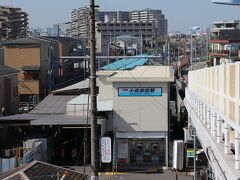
(181,14)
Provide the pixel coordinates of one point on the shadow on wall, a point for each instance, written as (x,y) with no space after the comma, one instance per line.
(120,124)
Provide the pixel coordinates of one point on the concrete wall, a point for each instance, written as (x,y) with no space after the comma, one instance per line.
(140,113)
(105,89)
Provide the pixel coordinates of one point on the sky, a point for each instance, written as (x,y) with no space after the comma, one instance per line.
(181,14)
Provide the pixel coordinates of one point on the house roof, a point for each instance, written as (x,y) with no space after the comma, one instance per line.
(61,39)
(5,70)
(28,40)
(127,63)
(40,170)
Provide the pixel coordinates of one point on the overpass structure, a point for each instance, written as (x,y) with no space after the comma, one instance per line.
(213,104)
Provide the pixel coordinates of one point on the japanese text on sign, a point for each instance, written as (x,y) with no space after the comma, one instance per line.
(106,150)
(140,91)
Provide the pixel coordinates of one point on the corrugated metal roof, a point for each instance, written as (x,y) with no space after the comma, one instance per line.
(48,171)
(41,170)
(127,63)
(80,85)
(46,119)
(58,120)
(52,104)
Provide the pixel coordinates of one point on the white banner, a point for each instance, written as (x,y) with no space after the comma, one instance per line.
(106,150)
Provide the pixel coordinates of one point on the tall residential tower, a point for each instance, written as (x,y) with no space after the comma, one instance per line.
(80,24)
(13,23)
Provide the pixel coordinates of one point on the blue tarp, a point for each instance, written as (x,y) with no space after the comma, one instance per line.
(128,63)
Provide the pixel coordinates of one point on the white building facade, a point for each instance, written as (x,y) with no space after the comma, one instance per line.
(139,118)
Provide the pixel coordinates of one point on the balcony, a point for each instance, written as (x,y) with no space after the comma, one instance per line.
(222,53)
(226,34)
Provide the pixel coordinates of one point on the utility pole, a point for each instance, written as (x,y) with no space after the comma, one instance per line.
(93,94)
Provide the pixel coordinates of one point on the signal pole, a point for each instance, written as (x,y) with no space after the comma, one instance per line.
(93,94)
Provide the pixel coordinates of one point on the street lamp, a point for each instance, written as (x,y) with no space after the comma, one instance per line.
(192,30)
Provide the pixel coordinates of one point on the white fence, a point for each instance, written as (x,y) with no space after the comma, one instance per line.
(212,100)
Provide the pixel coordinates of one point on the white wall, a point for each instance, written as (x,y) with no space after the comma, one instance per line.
(140,113)
(105,89)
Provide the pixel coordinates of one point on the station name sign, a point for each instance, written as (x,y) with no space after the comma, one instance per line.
(139,91)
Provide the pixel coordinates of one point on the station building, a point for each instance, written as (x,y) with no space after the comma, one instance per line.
(139,118)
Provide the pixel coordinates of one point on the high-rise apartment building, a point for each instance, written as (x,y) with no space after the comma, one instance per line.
(80,24)
(13,23)
(151,15)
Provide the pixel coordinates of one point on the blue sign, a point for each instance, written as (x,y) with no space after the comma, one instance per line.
(139,91)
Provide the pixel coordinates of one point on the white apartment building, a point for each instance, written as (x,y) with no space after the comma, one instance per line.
(80,23)
(151,15)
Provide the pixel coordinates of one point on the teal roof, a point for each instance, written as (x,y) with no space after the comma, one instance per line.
(127,63)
